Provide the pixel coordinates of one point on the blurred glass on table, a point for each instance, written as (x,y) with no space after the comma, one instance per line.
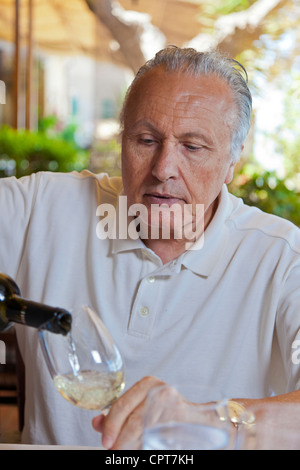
(187,417)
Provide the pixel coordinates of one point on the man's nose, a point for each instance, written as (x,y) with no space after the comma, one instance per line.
(165,164)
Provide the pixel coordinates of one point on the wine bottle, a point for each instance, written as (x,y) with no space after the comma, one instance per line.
(15,309)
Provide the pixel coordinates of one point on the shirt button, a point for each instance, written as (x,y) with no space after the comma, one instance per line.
(151,279)
(144,311)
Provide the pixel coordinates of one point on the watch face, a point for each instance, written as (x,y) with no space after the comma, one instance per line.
(238,414)
(235,411)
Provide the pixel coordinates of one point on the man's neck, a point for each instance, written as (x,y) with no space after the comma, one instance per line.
(170,249)
(167,250)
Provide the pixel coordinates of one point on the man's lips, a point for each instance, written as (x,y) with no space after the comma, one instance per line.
(157,198)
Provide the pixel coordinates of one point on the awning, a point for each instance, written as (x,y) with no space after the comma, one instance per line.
(67,27)
(59,27)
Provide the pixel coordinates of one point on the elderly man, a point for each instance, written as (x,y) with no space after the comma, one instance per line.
(223,313)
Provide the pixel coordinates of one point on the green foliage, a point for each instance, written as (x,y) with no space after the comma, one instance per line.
(268,192)
(23,152)
(48,123)
(106,157)
(219,7)
(287,136)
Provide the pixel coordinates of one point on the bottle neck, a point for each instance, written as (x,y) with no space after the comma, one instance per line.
(37,315)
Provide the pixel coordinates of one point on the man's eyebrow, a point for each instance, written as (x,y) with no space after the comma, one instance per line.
(186,135)
(198,135)
(144,122)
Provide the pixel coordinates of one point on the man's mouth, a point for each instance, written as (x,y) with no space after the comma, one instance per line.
(157,198)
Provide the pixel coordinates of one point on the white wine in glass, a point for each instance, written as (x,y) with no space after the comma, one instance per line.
(86,365)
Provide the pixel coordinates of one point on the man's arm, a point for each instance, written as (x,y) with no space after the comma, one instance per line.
(124,422)
(292,397)
(17,197)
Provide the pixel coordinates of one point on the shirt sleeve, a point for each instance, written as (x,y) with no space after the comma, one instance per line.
(17,198)
(288,326)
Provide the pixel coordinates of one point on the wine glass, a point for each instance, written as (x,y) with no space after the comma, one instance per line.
(185,418)
(85,365)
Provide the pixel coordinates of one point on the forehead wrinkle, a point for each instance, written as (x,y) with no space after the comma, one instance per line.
(156,116)
(183,107)
(164,123)
(163,107)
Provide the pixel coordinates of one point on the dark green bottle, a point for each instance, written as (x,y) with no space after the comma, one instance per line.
(15,309)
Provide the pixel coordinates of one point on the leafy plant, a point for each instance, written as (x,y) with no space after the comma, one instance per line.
(268,192)
(106,157)
(24,152)
(219,7)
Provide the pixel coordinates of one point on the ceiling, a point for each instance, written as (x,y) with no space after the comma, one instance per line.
(179,20)
(70,27)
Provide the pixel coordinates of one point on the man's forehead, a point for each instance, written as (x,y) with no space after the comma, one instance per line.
(180,89)
(180,96)
(185,81)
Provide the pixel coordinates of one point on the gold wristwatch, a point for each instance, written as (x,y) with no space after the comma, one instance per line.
(237,414)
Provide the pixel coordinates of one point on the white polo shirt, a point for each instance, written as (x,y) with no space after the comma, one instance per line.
(225,316)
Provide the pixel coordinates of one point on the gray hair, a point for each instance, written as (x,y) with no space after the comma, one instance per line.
(206,63)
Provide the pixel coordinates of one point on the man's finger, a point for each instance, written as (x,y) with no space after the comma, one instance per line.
(123,408)
(97,423)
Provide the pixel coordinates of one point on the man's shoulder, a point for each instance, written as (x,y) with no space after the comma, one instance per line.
(111,184)
(248,219)
(106,188)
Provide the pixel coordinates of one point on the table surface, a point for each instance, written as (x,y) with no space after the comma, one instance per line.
(44,447)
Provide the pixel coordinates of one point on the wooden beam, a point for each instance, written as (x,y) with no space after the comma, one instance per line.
(16,66)
(29,67)
(127,34)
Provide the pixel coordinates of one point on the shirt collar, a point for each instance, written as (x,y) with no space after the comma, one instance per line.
(205,254)
(122,242)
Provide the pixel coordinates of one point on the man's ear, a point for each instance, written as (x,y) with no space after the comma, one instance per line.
(230,172)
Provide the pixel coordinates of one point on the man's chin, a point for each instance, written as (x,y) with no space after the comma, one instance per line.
(163,221)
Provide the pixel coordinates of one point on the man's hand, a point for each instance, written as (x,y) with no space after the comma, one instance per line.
(124,422)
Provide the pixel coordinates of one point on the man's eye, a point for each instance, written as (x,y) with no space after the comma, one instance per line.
(193,148)
(146,141)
